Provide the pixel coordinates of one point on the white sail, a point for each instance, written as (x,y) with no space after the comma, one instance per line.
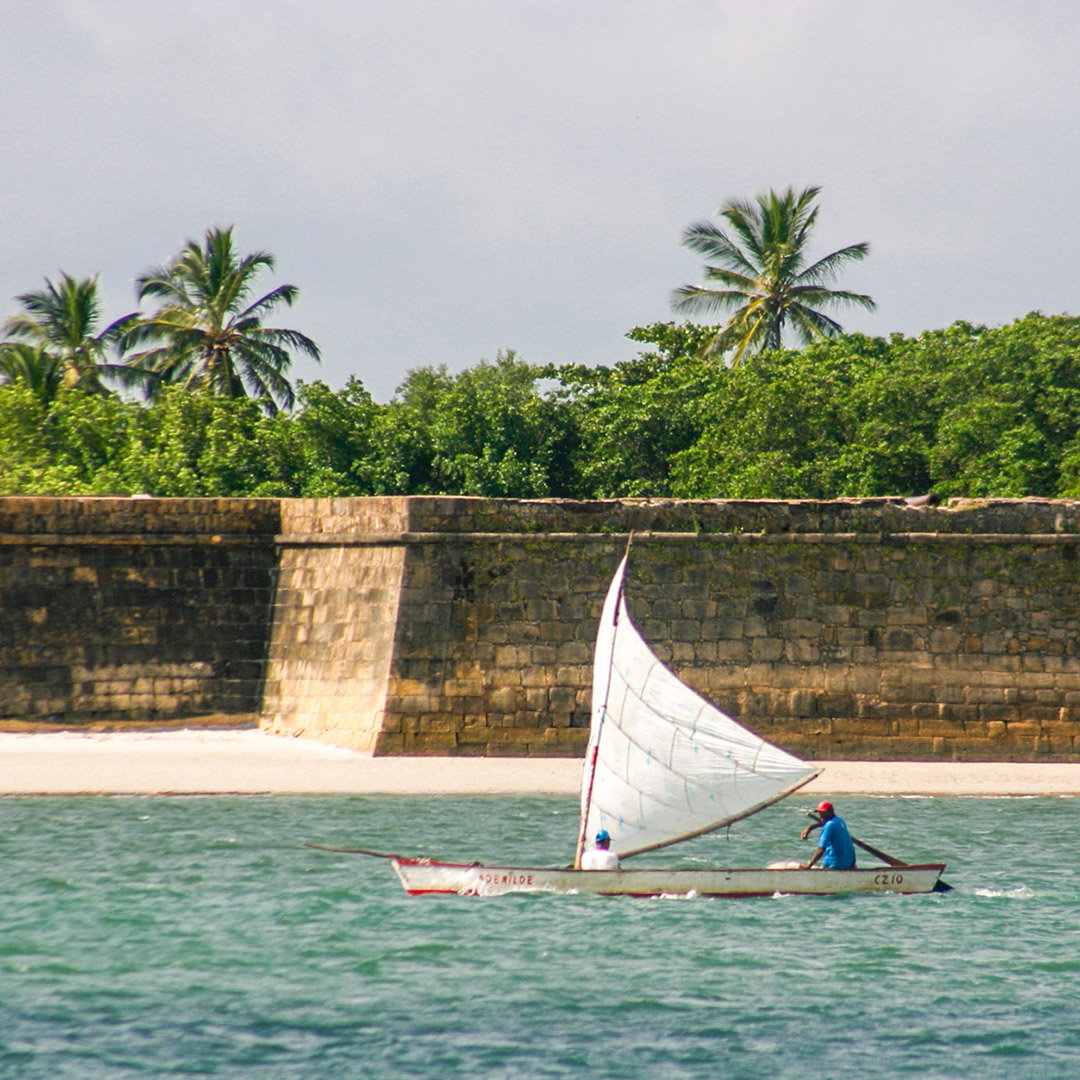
(663,764)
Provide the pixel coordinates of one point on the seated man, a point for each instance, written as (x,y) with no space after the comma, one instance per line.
(600,857)
(835,848)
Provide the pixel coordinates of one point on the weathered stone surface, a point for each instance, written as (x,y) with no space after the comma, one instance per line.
(858,628)
(129,610)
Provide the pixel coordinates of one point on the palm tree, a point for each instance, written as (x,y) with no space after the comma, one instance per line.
(764,283)
(207,335)
(31,366)
(56,331)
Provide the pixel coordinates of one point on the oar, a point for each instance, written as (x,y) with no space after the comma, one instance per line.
(889,860)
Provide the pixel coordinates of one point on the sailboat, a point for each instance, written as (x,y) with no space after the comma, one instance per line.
(664,765)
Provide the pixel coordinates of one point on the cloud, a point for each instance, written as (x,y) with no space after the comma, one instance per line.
(443,180)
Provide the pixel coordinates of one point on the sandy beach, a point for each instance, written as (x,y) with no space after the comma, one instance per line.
(195,761)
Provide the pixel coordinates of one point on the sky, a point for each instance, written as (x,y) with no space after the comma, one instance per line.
(445,179)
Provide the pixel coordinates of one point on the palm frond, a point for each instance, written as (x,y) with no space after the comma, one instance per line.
(283,294)
(818,294)
(809,325)
(33,367)
(767,284)
(747,222)
(694,298)
(207,333)
(714,244)
(829,267)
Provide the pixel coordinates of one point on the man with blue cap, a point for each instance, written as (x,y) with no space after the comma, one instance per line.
(600,857)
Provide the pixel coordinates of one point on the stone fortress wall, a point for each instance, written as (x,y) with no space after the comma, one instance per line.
(117,610)
(857,628)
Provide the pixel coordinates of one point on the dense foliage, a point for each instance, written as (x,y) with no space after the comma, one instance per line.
(965,410)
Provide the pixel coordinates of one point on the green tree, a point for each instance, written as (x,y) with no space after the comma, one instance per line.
(634,417)
(195,444)
(54,341)
(41,372)
(72,446)
(25,455)
(1009,422)
(968,410)
(326,447)
(844,417)
(761,275)
(208,334)
(487,431)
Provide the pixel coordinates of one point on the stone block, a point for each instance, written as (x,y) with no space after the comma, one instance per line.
(440,723)
(871,619)
(562,699)
(506,699)
(865,680)
(800,652)
(778,728)
(431,742)
(1040,714)
(732,652)
(837,705)
(1009,714)
(573,653)
(848,726)
(579,676)
(960,714)
(537,699)
(535,678)
(906,693)
(766,650)
(463,687)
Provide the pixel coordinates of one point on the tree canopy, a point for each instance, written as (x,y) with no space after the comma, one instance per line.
(967,410)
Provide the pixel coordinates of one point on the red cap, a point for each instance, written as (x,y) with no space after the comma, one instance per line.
(825,808)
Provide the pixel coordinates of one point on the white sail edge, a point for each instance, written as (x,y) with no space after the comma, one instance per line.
(754,744)
(730,820)
(615,627)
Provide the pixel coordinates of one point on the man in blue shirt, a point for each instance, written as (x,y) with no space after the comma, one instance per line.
(835,848)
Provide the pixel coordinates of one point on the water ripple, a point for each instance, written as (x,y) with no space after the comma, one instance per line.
(167,938)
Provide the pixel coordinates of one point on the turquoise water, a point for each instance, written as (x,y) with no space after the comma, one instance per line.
(180,937)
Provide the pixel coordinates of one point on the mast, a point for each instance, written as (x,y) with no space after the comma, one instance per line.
(595,736)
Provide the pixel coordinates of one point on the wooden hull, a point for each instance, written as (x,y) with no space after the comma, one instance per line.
(423,876)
